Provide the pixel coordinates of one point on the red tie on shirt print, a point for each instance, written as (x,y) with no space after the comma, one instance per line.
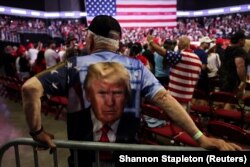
(105,155)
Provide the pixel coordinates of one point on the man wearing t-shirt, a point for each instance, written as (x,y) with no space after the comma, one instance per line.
(233,70)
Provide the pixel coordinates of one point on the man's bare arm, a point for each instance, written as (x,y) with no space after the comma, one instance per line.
(241,69)
(177,113)
(156,47)
(32,91)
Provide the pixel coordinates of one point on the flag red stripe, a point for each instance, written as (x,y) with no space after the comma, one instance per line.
(144,6)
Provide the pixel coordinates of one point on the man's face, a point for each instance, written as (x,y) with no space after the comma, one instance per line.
(206,46)
(73,44)
(242,42)
(107,101)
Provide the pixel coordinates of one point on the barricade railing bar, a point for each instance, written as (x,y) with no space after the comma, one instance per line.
(84,145)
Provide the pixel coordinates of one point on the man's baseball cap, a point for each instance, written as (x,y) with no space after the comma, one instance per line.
(219,41)
(106,26)
(205,39)
(237,36)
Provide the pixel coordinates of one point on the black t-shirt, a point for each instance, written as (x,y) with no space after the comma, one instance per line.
(150,56)
(228,73)
(24,64)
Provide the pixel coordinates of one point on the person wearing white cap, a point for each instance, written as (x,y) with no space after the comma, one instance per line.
(202,83)
(213,65)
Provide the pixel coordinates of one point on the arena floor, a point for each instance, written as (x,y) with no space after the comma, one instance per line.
(13,125)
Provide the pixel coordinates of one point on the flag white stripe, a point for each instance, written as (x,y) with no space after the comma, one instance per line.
(143,17)
(179,80)
(188,59)
(184,66)
(182,88)
(185,74)
(146,17)
(154,24)
(141,24)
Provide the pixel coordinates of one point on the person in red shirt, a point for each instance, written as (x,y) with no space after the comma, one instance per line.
(135,52)
(39,64)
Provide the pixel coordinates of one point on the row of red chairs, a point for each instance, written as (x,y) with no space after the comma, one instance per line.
(177,136)
(217,107)
(10,87)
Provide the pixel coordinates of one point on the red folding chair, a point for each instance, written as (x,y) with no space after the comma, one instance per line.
(246,109)
(168,131)
(218,101)
(203,109)
(228,132)
(56,104)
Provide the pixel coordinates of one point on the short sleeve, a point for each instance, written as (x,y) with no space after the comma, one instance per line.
(150,85)
(56,80)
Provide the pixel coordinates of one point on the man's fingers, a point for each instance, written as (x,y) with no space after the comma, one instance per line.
(50,143)
(46,138)
(237,147)
(50,135)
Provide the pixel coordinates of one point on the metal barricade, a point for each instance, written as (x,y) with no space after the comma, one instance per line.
(75,145)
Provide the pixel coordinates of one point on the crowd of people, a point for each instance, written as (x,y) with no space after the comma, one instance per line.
(161,65)
(220,26)
(12,26)
(101,92)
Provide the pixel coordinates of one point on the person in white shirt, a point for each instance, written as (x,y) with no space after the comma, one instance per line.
(51,57)
(32,53)
(213,62)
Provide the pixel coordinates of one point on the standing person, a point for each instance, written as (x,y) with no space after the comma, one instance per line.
(233,70)
(184,71)
(24,66)
(203,82)
(39,65)
(20,52)
(213,65)
(135,52)
(102,42)
(8,62)
(162,67)
(107,86)
(32,53)
(51,57)
(148,53)
(219,43)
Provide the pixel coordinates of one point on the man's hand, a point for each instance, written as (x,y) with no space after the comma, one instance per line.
(217,144)
(45,138)
(150,38)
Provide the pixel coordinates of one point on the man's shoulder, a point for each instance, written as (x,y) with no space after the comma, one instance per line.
(200,52)
(106,56)
(237,51)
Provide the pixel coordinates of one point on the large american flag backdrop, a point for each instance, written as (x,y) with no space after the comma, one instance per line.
(135,13)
